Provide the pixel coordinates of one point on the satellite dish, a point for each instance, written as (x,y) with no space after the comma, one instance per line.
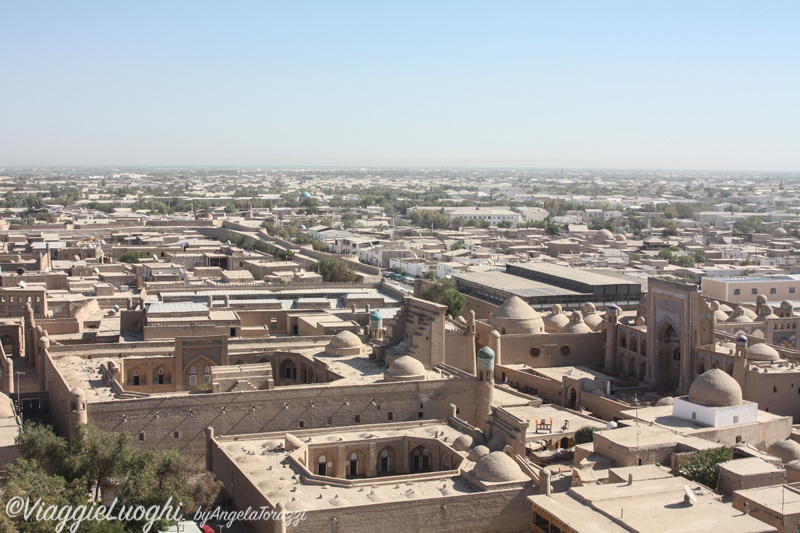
(689,498)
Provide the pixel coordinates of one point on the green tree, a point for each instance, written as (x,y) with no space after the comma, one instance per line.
(335,270)
(700,256)
(454,301)
(585,434)
(702,466)
(349,220)
(749,225)
(683,261)
(132,256)
(670,229)
(552,229)
(429,274)
(636,257)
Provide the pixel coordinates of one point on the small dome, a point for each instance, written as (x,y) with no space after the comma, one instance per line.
(719,314)
(667,400)
(779,232)
(477,452)
(589,307)
(762,352)
(305,194)
(498,467)
(485,353)
(620,237)
(78,393)
(462,442)
(345,339)
(303,226)
(461,320)
(715,388)
(739,315)
(576,324)
(725,308)
(788,450)
(749,313)
(761,300)
(406,366)
(767,313)
(592,318)
(555,320)
(516,317)
(497,443)
(727,347)
(787,304)
(604,234)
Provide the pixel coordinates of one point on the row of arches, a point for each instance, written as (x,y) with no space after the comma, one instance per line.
(633,344)
(356,462)
(288,370)
(137,375)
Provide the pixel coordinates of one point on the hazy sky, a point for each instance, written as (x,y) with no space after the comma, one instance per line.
(647,84)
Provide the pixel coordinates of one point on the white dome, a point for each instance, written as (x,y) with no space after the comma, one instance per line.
(715,388)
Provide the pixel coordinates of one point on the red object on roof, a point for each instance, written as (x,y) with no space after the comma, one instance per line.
(207,529)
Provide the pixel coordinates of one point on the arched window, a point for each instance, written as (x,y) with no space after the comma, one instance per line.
(289,370)
(322,465)
(207,375)
(193,376)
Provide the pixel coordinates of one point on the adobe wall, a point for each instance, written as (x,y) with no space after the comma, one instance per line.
(401,399)
(774,392)
(483,512)
(544,350)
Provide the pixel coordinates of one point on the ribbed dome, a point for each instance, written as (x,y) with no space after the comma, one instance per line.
(345,339)
(406,366)
(497,467)
(788,450)
(715,388)
(576,324)
(762,352)
(516,317)
(555,320)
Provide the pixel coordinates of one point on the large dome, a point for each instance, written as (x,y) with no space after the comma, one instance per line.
(406,366)
(715,388)
(762,352)
(515,317)
(497,467)
(345,339)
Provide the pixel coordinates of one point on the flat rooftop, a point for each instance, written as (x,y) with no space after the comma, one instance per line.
(279,479)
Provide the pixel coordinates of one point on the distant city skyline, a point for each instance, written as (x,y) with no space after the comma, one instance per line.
(614,85)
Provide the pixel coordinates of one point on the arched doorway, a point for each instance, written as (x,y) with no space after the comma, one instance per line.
(420,460)
(387,461)
(669,357)
(572,398)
